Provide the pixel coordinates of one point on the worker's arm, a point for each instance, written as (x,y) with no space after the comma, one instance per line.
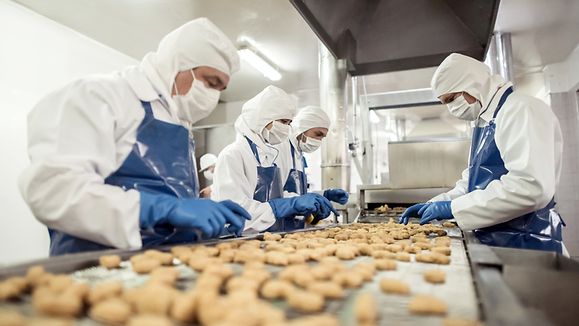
(231,182)
(460,188)
(72,148)
(529,141)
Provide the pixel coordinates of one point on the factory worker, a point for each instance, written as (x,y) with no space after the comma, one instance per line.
(506,195)
(112,162)
(247,171)
(207,167)
(309,128)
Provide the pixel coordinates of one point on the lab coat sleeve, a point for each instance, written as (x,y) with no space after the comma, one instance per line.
(231,181)
(71,143)
(460,188)
(528,138)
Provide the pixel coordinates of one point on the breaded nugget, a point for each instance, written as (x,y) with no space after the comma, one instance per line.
(424,304)
(393,286)
(435,276)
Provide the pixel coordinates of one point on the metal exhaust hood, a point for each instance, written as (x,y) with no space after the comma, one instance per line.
(387,35)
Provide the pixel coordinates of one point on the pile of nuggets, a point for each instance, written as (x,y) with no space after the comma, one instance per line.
(311,269)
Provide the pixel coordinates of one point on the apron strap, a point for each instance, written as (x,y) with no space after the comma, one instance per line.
(293,151)
(253,149)
(502,101)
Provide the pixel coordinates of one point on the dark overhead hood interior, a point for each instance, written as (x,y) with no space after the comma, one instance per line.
(387,35)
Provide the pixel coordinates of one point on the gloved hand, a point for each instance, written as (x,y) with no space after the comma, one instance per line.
(339,196)
(439,210)
(206,215)
(412,211)
(301,205)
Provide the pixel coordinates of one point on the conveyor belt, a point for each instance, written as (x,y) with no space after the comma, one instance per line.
(458,291)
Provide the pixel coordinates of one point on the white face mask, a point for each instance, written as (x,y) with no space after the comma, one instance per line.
(198,103)
(208,175)
(277,134)
(461,109)
(310,145)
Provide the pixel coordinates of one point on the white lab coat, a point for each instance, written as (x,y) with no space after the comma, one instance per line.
(79,135)
(529,140)
(235,177)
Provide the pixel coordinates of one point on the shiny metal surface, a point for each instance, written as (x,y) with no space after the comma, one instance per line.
(427,164)
(333,100)
(380,194)
(389,35)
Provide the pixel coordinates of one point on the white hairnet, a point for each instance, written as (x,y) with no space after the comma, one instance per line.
(271,104)
(460,73)
(206,161)
(310,117)
(197,43)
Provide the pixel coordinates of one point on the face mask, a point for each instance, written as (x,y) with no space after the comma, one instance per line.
(198,103)
(461,109)
(208,175)
(277,134)
(310,145)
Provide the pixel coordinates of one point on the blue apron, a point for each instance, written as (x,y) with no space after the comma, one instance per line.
(296,179)
(269,187)
(160,162)
(541,229)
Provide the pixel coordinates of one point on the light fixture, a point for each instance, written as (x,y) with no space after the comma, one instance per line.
(259,62)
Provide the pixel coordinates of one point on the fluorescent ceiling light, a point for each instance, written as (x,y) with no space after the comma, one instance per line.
(258,62)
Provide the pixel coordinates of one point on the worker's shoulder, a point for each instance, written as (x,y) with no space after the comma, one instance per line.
(95,85)
(520,103)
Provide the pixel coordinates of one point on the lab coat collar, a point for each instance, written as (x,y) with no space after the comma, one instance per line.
(487,114)
(141,85)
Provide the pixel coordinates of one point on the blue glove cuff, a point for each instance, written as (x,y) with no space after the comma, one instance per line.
(154,209)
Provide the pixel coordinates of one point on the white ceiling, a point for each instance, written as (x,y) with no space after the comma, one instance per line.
(543,32)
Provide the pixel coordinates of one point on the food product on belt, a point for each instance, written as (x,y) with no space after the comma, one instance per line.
(149,320)
(382,209)
(104,291)
(424,304)
(403,256)
(366,309)
(385,264)
(305,301)
(448,224)
(271,236)
(184,308)
(11,318)
(348,279)
(276,289)
(276,258)
(144,264)
(34,274)
(164,274)
(345,252)
(435,276)
(315,320)
(328,289)
(460,322)
(50,303)
(110,261)
(393,286)
(441,250)
(111,311)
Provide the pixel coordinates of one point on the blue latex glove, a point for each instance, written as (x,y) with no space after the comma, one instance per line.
(339,196)
(326,207)
(301,205)
(439,210)
(412,211)
(205,215)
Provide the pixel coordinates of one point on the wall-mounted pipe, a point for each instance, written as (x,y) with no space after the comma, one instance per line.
(500,56)
(333,99)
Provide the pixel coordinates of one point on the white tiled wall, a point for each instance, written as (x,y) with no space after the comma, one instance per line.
(566,108)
